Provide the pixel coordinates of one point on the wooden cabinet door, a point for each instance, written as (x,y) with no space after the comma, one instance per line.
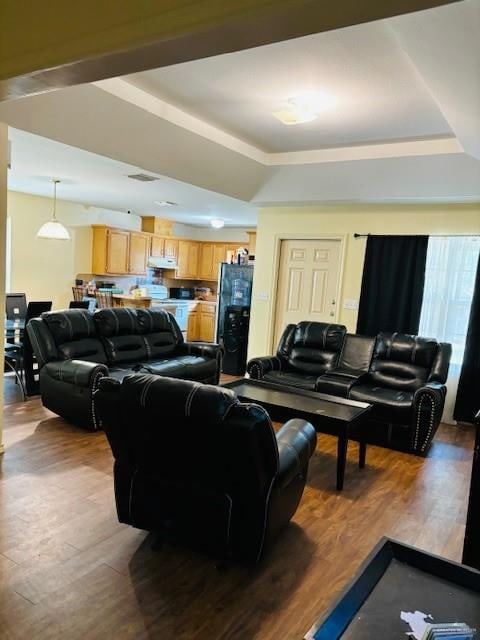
(157,247)
(117,251)
(219,256)
(182,259)
(138,254)
(170,248)
(205,269)
(193,259)
(192,326)
(207,325)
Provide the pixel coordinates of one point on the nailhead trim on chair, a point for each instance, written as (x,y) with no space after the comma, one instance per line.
(96,423)
(425,396)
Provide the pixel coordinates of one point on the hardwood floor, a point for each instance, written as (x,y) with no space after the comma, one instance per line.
(68,569)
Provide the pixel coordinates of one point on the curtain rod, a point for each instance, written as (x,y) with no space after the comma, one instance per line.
(431,235)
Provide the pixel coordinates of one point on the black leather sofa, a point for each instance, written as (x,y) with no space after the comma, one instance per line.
(75,349)
(199,468)
(402,376)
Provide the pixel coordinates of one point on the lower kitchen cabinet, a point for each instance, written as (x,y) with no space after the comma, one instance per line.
(201,323)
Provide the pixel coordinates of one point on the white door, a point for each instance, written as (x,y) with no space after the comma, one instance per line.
(308,282)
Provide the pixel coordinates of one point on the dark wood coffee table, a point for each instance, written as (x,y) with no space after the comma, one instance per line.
(328,414)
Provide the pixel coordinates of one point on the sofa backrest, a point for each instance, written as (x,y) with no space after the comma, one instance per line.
(403,361)
(311,348)
(356,354)
(137,335)
(74,335)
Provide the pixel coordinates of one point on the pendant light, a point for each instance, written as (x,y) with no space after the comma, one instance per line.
(53,230)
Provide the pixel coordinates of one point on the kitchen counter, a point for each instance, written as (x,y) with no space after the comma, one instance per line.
(124,300)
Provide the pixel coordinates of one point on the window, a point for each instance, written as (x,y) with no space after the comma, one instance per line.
(449,283)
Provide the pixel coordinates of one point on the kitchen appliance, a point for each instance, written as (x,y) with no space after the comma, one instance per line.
(235,339)
(182,293)
(234,288)
(162,263)
(105,284)
(159,295)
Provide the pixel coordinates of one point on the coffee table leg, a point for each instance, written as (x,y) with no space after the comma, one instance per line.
(341,459)
(362,455)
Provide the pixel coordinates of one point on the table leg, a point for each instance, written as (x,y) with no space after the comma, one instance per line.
(362,455)
(341,459)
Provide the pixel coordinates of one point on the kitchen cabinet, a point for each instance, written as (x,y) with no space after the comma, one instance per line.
(192,327)
(138,253)
(188,259)
(211,255)
(157,247)
(170,249)
(206,322)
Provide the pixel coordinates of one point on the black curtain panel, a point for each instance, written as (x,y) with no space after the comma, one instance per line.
(467,403)
(392,284)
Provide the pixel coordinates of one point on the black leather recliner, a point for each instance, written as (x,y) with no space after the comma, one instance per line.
(406,386)
(75,349)
(198,467)
(305,352)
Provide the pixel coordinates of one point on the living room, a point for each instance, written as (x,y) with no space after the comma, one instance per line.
(382,153)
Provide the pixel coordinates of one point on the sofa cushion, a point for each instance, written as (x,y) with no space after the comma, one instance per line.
(187,367)
(160,332)
(291,379)
(314,347)
(402,361)
(75,336)
(120,333)
(391,405)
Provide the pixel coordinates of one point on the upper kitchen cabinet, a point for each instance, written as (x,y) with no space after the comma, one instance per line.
(119,252)
(138,253)
(162,247)
(188,260)
(211,255)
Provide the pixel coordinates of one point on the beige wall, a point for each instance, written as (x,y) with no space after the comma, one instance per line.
(46,269)
(316,222)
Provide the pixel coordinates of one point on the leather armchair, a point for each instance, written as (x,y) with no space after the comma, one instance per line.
(406,385)
(200,468)
(306,351)
(75,349)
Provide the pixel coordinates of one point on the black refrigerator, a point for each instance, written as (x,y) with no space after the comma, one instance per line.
(233,315)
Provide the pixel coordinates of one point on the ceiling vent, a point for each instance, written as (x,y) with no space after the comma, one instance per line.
(143,177)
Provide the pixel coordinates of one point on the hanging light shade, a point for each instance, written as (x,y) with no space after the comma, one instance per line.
(53,229)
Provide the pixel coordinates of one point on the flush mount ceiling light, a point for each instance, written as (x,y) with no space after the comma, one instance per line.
(165,203)
(53,229)
(305,107)
(217,223)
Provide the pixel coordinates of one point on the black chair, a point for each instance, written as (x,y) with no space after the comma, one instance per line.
(19,355)
(79,304)
(199,468)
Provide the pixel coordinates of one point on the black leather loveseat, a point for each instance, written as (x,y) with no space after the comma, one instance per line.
(402,376)
(75,349)
(199,468)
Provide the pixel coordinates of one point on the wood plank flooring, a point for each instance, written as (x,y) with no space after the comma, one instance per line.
(68,569)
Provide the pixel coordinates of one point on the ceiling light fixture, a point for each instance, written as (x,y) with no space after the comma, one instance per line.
(165,203)
(217,223)
(53,229)
(305,107)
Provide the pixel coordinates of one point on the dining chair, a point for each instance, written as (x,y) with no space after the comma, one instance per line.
(19,355)
(16,306)
(78,293)
(104,299)
(79,304)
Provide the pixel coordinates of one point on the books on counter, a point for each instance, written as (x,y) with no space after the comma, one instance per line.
(453,631)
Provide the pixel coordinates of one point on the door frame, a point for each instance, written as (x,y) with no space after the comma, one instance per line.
(278,239)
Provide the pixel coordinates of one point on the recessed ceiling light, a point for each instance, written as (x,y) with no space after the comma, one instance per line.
(142,177)
(165,203)
(305,107)
(217,223)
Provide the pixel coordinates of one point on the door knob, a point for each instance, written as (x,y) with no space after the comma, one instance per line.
(332,314)
(334,301)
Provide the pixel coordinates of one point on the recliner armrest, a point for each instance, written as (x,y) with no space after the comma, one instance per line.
(428,403)
(296,441)
(78,372)
(206,349)
(258,367)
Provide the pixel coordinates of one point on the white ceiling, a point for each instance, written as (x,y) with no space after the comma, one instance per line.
(406,126)
(98,181)
(380,96)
